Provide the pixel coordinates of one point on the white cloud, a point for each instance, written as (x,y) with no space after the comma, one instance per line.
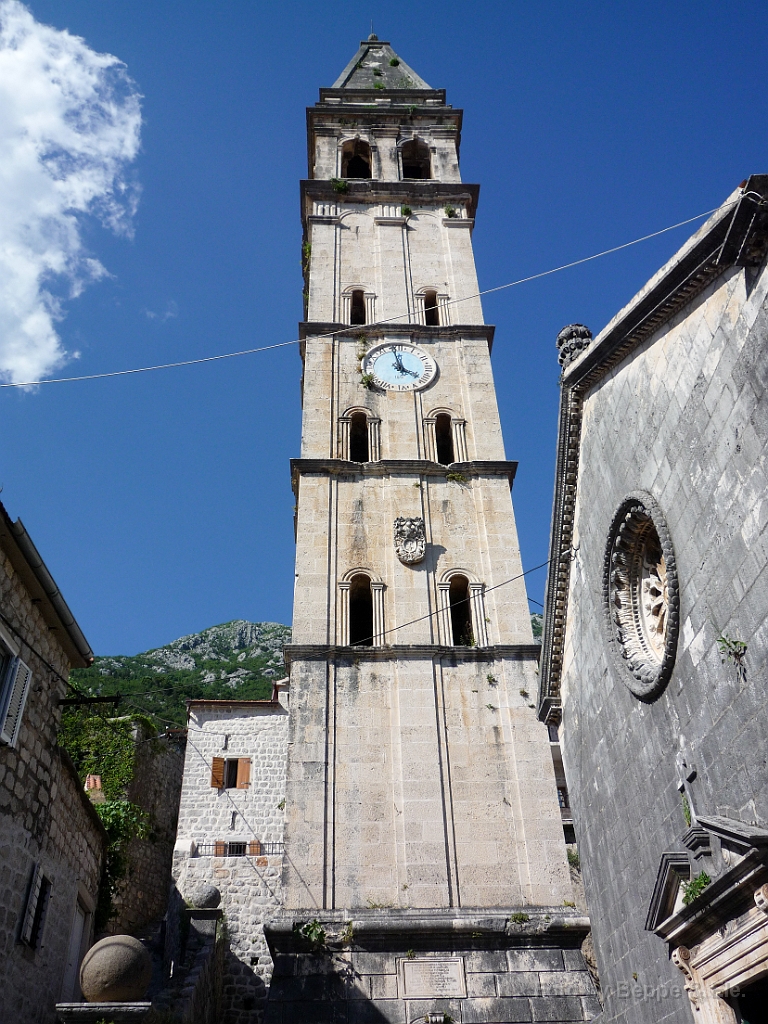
(69,127)
(169,313)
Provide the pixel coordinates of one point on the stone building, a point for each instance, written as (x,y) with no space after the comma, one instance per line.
(425,868)
(230,831)
(656,627)
(51,840)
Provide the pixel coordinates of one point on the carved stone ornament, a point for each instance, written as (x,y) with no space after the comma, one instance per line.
(641,595)
(571,342)
(410,540)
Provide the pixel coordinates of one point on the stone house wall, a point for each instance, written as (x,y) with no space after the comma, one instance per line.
(45,819)
(684,417)
(250,885)
(156,788)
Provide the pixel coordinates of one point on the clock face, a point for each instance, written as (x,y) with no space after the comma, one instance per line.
(400,366)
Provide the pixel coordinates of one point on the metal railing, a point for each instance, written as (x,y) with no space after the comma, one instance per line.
(232,848)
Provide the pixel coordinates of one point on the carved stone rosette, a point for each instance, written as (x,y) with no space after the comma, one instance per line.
(410,540)
(641,595)
(571,342)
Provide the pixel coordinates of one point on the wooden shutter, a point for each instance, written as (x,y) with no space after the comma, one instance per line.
(254,848)
(13,700)
(243,772)
(217,772)
(219,849)
(35,885)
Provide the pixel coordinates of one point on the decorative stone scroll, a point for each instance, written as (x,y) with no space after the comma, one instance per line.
(410,540)
(571,342)
(641,595)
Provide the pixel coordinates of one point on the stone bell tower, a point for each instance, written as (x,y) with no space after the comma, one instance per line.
(425,868)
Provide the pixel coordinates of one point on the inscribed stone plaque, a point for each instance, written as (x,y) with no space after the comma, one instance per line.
(434,979)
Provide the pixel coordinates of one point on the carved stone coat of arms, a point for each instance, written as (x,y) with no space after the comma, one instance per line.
(410,540)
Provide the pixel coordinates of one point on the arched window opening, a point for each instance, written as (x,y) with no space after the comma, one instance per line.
(431,315)
(356,160)
(358,437)
(357,312)
(461,615)
(444,439)
(416,162)
(360,612)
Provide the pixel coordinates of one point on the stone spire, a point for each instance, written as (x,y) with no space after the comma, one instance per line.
(377,66)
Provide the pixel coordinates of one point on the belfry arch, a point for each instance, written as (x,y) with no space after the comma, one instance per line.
(445,437)
(462,609)
(355,159)
(359,436)
(361,609)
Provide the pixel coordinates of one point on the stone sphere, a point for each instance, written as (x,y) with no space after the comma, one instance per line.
(203,896)
(117,969)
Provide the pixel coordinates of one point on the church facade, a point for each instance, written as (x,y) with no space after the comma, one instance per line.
(656,627)
(425,872)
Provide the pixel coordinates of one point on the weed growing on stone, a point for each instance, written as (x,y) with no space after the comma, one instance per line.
(339,185)
(393,62)
(573,858)
(456,478)
(519,918)
(367,380)
(693,889)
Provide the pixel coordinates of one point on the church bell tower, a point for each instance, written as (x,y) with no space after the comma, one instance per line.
(425,859)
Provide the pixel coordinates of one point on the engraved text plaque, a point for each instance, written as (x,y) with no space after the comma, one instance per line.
(434,979)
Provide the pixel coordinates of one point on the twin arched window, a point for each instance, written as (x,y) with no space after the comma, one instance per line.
(445,437)
(461,610)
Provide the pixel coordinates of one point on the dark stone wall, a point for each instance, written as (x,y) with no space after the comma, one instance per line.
(685,417)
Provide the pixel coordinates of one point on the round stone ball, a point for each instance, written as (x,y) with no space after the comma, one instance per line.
(117,969)
(202,896)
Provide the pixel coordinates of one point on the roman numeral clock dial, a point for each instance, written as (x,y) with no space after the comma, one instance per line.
(400,366)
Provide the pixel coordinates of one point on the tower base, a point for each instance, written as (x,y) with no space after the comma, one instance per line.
(429,966)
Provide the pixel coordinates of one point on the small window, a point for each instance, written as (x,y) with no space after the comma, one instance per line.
(236,849)
(431,314)
(444,439)
(357,311)
(13,696)
(360,612)
(358,437)
(36,909)
(562,797)
(554,736)
(461,615)
(231,772)
(356,160)
(416,162)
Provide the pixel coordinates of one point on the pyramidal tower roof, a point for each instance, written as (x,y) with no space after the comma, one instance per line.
(377,66)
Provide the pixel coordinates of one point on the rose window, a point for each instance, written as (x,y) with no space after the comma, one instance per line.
(641,595)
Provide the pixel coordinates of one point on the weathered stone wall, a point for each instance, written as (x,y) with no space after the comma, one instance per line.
(156,788)
(250,886)
(684,417)
(421,782)
(42,820)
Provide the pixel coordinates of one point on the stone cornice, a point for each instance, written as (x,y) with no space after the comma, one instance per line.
(398,652)
(370,190)
(398,467)
(310,328)
(522,925)
(736,235)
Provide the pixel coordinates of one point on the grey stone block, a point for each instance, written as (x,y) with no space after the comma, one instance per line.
(574,960)
(557,1008)
(535,959)
(496,1011)
(374,963)
(483,961)
(521,983)
(482,985)
(565,983)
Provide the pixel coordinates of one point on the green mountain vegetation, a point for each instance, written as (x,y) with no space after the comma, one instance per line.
(234,660)
(537,625)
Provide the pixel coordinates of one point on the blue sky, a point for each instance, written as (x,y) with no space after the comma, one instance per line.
(162,502)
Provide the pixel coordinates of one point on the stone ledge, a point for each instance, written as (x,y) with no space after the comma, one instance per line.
(89,1013)
(311,652)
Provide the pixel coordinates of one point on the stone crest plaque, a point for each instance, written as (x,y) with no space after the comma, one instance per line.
(410,539)
(434,979)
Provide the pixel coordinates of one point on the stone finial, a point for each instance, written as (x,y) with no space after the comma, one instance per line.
(571,341)
(202,895)
(116,970)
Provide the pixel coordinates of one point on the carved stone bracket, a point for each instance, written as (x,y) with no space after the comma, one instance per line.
(761,898)
(571,342)
(681,958)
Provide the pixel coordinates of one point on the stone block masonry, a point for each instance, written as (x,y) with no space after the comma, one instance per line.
(243,819)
